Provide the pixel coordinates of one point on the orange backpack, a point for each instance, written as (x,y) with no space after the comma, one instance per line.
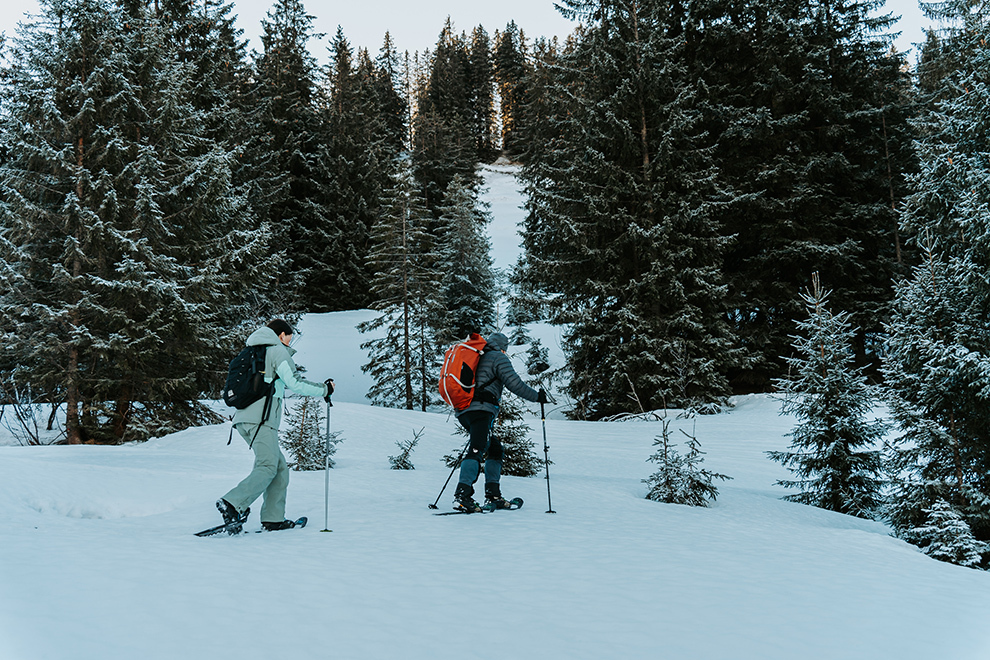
(460,366)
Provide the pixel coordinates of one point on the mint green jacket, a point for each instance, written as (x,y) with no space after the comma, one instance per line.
(278,360)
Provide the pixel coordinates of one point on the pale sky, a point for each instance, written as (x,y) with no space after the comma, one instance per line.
(414,25)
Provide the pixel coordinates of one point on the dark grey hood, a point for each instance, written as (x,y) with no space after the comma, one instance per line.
(498,341)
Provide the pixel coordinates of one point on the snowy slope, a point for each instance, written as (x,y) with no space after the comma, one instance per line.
(500,189)
(97,557)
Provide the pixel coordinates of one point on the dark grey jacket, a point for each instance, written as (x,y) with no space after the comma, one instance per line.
(495,372)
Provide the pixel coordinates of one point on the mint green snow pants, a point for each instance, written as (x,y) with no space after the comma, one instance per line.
(270,475)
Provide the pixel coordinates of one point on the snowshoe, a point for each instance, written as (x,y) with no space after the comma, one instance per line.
(285,524)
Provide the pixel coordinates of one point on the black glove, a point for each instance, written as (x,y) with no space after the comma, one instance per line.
(329,383)
(541,397)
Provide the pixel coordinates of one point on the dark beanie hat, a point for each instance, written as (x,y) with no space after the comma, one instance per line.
(279,326)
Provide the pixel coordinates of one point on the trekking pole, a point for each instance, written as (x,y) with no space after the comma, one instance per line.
(459,459)
(546,456)
(326,481)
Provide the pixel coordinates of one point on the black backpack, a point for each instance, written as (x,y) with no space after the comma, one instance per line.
(246,378)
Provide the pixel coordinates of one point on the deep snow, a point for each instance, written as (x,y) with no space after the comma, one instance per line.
(98,558)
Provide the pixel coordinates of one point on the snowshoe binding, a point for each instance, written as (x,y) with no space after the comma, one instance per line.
(494,499)
(463,500)
(233,522)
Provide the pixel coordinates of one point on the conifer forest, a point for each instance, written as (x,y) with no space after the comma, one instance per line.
(720,198)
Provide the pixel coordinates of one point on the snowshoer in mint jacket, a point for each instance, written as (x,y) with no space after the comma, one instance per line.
(494,373)
(270,475)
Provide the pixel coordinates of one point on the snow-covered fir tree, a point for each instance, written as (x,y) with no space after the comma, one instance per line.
(680,479)
(537,358)
(203,36)
(284,155)
(403,460)
(465,261)
(945,536)
(808,109)
(444,144)
(519,457)
(937,363)
(511,76)
(937,374)
(392,96)
(482,85)
(519,335)
(620,232)
(120,223)
(360,147)
(304,435)
(406,288)
(834,447)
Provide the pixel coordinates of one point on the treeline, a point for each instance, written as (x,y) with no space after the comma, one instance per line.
(161,190)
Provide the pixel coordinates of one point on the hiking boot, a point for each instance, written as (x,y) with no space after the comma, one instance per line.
(231,518)
(467,505)
(230,514)
(493,497)
(463,500)
(497,503)
(276,526)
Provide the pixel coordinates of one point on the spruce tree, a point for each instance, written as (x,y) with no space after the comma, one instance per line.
(532,106)
(356,165)
(405,288)
(620,237)
(117,221)
(444,145)
(482,85)
(808,110)
(680,479)
(392,100)
(403,461)
(834,448)
(203,37)
(519,458)
(946,536)
(936,371)
(285,154)
(304,436)
(511,75)
(937,364)
(469,287)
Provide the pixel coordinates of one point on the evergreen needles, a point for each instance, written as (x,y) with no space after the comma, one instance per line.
(404,461)
(304,436)
(834,448)
(680,479)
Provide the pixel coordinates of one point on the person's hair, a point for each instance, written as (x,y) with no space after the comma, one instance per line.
(279,326)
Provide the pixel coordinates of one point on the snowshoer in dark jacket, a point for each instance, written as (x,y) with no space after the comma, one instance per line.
(495,372)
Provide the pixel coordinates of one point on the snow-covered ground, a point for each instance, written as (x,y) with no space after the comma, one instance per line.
(501,191)
(98,560)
